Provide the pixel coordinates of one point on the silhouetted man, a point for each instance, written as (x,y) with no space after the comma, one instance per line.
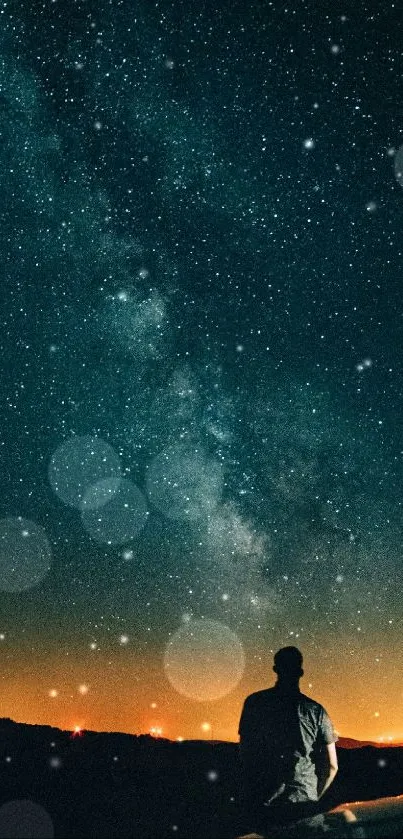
(287,747)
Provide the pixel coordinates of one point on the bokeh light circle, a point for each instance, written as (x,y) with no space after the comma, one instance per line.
(204,660)
(79,463)
(25,554)
(184,483)
(99,494)
(24,819)
(118,520)
(398,164)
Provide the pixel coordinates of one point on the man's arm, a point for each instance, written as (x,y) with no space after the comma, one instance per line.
(330,769)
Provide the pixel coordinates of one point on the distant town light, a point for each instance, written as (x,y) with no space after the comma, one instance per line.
(77,731)
(156,731)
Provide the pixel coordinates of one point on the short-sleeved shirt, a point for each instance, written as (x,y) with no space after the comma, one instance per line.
(281,733)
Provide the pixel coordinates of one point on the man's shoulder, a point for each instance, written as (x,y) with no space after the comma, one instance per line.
(260,695)
(312,704)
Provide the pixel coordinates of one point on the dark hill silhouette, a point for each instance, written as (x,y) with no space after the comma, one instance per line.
(121,785)
(349,743)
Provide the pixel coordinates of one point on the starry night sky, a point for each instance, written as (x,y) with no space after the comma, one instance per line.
(201,347)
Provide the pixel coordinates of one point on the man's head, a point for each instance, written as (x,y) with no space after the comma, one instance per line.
(288,664)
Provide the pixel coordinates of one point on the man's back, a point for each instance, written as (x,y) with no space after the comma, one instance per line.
(281,730)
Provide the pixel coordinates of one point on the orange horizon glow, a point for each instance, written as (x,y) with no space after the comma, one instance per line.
(220,729)
(132,696)
(200,733)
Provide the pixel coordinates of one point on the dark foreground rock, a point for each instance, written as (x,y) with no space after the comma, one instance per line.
(119,785)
